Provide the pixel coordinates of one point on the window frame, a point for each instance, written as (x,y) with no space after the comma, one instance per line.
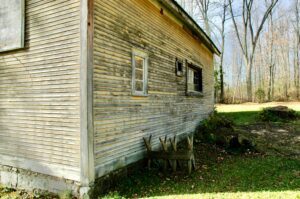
(178,72)
(19,39)
(189,91)
(145,57)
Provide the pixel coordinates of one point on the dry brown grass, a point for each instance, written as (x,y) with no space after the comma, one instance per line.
(255,106)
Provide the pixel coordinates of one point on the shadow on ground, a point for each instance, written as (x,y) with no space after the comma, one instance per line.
(274,171)
(217,172)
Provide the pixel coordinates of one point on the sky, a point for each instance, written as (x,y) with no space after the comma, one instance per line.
(282,5)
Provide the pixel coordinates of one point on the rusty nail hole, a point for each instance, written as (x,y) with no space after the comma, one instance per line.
(161,11)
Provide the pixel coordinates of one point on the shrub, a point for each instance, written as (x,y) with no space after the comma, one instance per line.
(215,129)
(260,95)
(278,113)
(219,130)
(67,194)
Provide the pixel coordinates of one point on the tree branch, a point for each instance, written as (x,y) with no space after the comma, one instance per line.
(267,13)
(235,27)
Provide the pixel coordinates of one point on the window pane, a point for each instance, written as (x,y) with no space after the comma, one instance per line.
(11,24)
(138,74)
(179,67)
(195,79)
(139,62)
(139,86)
(200,81)
(191,76)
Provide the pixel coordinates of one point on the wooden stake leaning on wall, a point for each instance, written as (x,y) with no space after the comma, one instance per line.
(190,142)
(149,149)
(191,161)
(174,147)
(165,149)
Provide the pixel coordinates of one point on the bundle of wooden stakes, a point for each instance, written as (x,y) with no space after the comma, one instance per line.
(173,156)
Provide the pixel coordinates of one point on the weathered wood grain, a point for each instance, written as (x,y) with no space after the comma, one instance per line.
(86,94)
(121,120)
(40,93)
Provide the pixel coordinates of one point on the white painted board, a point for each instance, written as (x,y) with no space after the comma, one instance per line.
(12,18)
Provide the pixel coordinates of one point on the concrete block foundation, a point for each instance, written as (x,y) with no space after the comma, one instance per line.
(24,179)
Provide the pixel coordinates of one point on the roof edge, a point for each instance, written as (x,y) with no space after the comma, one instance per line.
(191,24)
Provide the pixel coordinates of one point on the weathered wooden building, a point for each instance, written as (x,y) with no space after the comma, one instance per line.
(88,79)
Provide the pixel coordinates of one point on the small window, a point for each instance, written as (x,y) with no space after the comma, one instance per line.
(139,73)
(179,68)
(12,20)
(194,79)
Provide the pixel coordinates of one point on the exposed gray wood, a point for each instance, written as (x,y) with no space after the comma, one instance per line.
(40,93)
(61,171)
(172,156)
(86,93)
(164,145)
(174,147)
(149,148)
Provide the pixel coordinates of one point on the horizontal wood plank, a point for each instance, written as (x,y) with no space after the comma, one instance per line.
(40,93)
(122,120)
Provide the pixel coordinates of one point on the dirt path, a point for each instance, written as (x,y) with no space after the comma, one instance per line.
(279,139)
(274,137)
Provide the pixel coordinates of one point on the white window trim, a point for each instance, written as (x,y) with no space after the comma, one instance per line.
(144,55)
(21,28)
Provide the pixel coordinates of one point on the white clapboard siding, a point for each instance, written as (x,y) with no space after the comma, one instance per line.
(122,120)
(40,93)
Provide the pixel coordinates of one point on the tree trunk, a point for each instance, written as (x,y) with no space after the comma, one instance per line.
(297,74)
(273,82)
(221,84)
(221,68)
(297,67)
(270,83)
(249,78)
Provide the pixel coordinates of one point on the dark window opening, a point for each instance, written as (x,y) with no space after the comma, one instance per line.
(194,81)
(179,68)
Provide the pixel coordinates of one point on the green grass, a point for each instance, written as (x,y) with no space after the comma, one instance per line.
(220,175)
(244,195)
(242,118)
(248,117)
(237,176)
(234,177)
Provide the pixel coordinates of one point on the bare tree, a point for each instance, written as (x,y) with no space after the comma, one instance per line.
(204,8)
(248,47)
(271,64)
(297,62)
(222,33)
(209,10)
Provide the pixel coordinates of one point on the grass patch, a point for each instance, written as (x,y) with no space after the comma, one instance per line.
(245,195)
(221,174)
(276,137)
(234,177)
(242,118)
(251,117)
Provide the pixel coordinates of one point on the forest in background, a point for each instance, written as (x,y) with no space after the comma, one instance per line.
(260,46)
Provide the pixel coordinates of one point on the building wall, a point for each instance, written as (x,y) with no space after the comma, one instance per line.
(122,120)
(40,93)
